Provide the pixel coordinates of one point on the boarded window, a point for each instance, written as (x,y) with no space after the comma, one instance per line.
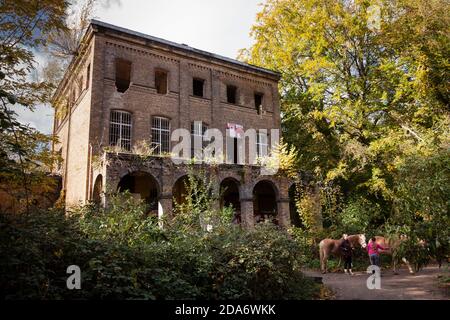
(120,129)
(197,86)
(258,102)
(161,81)
(160,134)
(123,75)
(231,94)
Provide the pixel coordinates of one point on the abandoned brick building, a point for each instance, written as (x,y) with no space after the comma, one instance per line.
(126,87)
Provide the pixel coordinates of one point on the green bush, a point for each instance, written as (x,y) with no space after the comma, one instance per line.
(123,254)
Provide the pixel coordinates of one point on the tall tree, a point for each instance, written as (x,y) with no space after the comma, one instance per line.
(365,93)
(365,82)
(23,29)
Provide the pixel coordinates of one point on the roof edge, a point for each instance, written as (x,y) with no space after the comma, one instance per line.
(185,48)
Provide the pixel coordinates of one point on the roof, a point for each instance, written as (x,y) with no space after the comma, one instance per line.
(184,48)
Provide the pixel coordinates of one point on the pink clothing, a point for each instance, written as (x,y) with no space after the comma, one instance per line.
(373,248)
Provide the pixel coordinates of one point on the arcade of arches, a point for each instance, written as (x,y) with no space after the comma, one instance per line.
(253,198)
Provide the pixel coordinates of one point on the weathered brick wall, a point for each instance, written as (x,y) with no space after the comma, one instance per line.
(83,137)
(114,167)
(179,105)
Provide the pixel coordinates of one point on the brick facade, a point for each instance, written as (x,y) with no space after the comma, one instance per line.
(84,132)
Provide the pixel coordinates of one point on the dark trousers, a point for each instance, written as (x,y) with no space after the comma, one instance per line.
(347,262)
(375,259)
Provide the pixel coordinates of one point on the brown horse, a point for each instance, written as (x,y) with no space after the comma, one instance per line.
(392,245)
(329,247)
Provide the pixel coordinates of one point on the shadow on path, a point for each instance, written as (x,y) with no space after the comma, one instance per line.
(404,286)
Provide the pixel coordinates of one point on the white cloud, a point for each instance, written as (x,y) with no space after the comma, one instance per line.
(41,119)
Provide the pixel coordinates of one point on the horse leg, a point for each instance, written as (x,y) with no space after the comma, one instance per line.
(322,260)
(411,271)
(394,264)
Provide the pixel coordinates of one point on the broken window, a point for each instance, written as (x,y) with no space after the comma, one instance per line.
(197,86)
(123,75)
(258,102)
(88,76)
(120,129)
(160,134)
(161,81)
(231,94)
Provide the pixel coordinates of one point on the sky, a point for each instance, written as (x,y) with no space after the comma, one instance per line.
(217,26)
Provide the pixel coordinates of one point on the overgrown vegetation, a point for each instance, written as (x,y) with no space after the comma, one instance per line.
(123,254)
(365,101)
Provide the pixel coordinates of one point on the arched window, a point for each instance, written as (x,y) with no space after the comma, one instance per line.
(120,129)
(161,134)
(198,130)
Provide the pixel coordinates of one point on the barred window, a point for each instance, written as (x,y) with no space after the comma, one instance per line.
(198,130)
(120,129)
(262,144)
(161,134)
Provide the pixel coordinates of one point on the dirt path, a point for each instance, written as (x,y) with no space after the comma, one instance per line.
(423,285)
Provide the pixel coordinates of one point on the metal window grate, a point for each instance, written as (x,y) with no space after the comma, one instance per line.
(161,134)
(120,129)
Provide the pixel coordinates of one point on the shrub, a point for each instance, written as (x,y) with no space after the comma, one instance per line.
(124,255)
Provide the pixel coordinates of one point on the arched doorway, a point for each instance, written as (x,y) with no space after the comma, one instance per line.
(229,191)
(265,202)
(142,186)
(98,190)
(293,210)
(180,191)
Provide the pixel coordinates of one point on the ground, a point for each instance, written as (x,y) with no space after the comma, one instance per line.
(404,286)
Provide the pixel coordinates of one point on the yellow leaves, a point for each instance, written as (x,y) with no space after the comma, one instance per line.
(338,172)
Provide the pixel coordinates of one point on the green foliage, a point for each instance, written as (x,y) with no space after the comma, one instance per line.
(24,153)
(197,208)
(366,109)
(360,216)
(125,255)
(132,228)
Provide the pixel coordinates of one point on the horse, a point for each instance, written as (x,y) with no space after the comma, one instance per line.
(392,245)
(329,247)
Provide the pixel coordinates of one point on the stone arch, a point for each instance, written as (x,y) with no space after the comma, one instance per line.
(179,190)
(142,185)
(97,192)
(230,196)
(265,196)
